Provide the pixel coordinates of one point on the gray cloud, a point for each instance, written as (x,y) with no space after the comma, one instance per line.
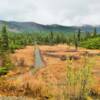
(65,12)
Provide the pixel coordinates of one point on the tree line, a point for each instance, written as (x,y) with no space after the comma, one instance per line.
(12,41)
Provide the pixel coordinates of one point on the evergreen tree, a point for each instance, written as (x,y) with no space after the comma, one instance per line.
(4,39)
(79,34)
(95,32)
(75,42)
(51,36)
(63,38)
(57,40)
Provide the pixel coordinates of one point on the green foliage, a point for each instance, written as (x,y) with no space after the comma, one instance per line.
(4,40)
(20,40)
(79,82)
(3,70)
(79,34)
(88,35)
(91,43)
(11,41)
(76,41)
(6,63)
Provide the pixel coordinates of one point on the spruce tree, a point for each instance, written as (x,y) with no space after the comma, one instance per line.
(75,42)
(57,39)
(51,36)
(4,39)
(4,46)
(79,34)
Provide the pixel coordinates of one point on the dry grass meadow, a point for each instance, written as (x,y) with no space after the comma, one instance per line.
(49,81)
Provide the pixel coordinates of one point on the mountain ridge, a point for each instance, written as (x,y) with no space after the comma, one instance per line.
(15,26)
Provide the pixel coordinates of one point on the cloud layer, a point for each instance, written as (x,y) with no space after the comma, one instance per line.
(64,12)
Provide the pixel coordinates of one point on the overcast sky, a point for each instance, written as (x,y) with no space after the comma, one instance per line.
(64,12)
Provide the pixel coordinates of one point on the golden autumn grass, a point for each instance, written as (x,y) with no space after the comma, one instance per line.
(46,82)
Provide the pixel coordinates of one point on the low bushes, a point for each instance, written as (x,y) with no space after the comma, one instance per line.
(5,64)
(3,70)
(91,43)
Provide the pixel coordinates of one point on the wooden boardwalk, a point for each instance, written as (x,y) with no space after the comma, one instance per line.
(38,58)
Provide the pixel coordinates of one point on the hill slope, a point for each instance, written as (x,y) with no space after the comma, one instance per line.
(35,27)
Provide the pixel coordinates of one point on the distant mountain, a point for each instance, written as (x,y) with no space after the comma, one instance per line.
(35,27)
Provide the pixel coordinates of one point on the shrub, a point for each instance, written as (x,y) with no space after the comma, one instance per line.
(79,81)
(3,70)
(6,64)
(91,43)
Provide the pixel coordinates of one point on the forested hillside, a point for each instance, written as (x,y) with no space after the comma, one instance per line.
(32,27)
(16,41)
